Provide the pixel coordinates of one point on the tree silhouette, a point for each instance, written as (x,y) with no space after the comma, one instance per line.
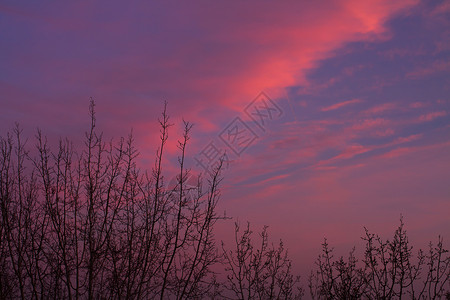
(91,224)
(388,270)
(261,271)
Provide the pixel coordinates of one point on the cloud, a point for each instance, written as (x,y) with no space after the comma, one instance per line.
(418,104)
(433,68)
(397,152)
(379,108)
(443,8)
(370,123)
(408,139)
(431,116)
(349,152)
(341,104)
(386,132)
(209,60)
(392,54)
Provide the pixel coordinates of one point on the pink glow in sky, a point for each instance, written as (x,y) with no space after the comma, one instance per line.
(363,89)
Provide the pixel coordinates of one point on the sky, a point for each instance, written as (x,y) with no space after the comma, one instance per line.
(333,115)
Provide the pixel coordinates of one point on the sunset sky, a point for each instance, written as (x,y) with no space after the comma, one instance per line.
(333,115)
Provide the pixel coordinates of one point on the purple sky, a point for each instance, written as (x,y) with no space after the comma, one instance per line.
(359,131)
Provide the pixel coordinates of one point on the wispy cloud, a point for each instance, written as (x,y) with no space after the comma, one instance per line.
(431,116)
(370,123)
(433,68)
(418,104)
(379,108)
(341,104)
(407,139)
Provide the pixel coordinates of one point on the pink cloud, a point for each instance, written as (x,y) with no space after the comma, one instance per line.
(379,109)
(335,202)
(349,152)
(417,104)
(268,46)
(408,139)
(370,123)
(386,132)
(433,68)
(341,104)
(443,8)
(400,52)
(397,152)
(431,116)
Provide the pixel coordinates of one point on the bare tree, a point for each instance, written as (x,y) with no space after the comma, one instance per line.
(336,279)
(189,245)
(90,224)
(261,271)
(388,270)
(21,221)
